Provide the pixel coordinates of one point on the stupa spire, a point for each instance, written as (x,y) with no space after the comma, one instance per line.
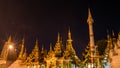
(50,47)
(24,55)
(22,50)
(42,51)
(91,35)
(36,44)
(90,19)
(36,51)
(69,36)
(113,34)
(9,39)
(4,52)
(58,39)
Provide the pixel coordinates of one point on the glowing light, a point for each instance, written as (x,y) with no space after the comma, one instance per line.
(90,65)
(10,46)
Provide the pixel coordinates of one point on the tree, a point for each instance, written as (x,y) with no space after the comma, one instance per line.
(102,44)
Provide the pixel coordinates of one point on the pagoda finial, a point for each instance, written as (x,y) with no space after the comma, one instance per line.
(108,35)
(58,39)
(91,34)
(36,45)
(23,41)
(25,54)
(69,36)
(22,49)
(9,39)
(42,51)
(50,46)
(109,40)
(35,52)
(113,34)
(4,52)
(90,19)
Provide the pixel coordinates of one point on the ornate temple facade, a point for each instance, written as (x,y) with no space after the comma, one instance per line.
(91,56)
(59,56)
(113,50)
(64,56)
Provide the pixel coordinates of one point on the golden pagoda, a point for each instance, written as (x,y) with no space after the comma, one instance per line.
(59,56)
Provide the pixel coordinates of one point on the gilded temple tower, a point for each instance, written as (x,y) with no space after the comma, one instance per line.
(4,52)
(69,46)
(91,35)
(69,40)
(33,57)
(22,50)
(58,47)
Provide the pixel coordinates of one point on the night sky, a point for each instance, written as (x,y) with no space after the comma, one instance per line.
(43,19)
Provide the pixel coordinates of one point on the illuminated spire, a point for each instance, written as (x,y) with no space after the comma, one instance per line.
(90,19)
(51,47)
(113,38)
(91,35)
(34,56)
(24,55)
(51,52)
(4,52)
(22,50)
(69,48)
(35,52)
(113,34)
(109,38)
(109,42)
(69,37)
(36,45)
(9,42)
(42,51)
(9,38)
(58,47)
(108,35)
(58,39)
(23,41)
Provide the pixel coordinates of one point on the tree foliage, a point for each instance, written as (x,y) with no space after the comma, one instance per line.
(102,44)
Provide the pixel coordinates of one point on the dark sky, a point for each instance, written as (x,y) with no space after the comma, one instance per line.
(43,19)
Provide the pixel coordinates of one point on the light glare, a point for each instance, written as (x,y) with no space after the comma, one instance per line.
(10,46)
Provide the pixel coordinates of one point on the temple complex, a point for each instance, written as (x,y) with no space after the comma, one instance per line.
(59,56)
(64,55)
(113,50)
